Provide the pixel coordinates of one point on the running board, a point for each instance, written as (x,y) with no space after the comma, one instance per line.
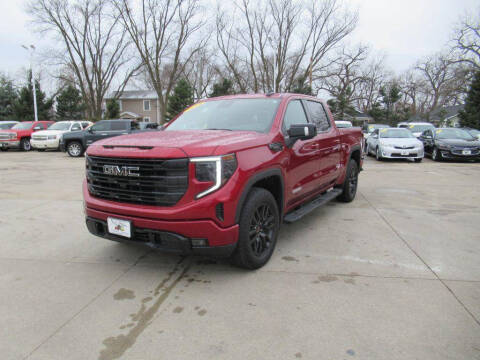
(310,206)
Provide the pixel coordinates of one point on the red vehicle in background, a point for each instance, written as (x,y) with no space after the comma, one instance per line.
(18,137)
(222,176)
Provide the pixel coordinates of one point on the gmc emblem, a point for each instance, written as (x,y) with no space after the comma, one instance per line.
(121,170)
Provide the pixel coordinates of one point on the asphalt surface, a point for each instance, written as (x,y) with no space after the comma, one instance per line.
(393,275)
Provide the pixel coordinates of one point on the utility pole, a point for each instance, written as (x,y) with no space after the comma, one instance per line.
(31,50)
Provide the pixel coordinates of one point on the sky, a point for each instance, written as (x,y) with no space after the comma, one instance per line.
(403,30)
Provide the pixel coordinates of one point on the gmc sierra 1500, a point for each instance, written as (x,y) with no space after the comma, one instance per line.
(222,176)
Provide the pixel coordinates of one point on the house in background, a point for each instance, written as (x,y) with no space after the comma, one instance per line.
(358,118)
(446,116)
(141,105)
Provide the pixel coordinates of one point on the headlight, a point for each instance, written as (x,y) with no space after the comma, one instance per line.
(444,146)
(51,137)
(216,169)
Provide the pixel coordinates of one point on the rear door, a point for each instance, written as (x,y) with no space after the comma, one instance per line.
(328,144)
(301,167)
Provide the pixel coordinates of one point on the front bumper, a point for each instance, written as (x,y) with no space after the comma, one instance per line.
(45,144)
(169,236)
(393,153)
(10,144)
(458,155)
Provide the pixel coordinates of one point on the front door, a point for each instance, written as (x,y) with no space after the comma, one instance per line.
(98,131)
(302,156)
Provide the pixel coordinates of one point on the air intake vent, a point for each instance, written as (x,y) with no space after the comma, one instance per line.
(219,211)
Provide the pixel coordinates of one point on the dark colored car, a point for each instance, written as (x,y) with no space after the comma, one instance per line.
(450,143)
(18,137)
(221,177)
(75,143)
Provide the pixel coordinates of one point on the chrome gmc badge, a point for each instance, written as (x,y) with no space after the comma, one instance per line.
(121,170)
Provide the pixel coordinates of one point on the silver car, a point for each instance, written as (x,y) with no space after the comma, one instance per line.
(394,143)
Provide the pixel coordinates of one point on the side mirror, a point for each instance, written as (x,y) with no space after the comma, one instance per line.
(301,132)
(90,130)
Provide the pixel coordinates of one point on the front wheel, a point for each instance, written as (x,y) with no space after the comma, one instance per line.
(259,226)
(378,155)
(349,187)
(74,149)
(25,144)
(367,150)
(436,156)
(40,150)
(418,160)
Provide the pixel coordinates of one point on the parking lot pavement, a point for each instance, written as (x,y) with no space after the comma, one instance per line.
(393,275)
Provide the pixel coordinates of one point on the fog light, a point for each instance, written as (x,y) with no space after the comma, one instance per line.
(199,242)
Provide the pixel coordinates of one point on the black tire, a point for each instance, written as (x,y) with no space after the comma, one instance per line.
(350,185)
(259,227)
(25,144)
(418,160)
(436,155)
(367,150)
(378,156)
(40,150)
(3,149)
(75,149)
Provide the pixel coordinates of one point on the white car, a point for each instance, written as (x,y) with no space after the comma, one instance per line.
(417,128)
(50,138)
(394,143)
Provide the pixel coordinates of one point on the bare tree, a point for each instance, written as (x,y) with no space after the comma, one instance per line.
(466,40)
(271,44)
(202,72)
(94,45)
(161,31)
(374,76)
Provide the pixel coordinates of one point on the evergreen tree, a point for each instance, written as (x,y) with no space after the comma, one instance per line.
(301,87)
(113,109)
(470,115)
(181,98)
(70,105)
(225,87)
(390,95)
(8,96)
(23,106)
(341,106)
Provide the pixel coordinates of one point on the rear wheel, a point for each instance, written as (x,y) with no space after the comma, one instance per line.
(349,187)
(259,226)
(74,149)
(25,144)
(436,155)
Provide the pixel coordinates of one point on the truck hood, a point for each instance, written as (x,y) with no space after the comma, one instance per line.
(50,132)
(192,143)
(18,131)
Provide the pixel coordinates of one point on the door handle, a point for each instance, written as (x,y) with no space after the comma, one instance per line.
(104,134)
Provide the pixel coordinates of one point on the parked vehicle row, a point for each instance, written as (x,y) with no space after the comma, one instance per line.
(394,143)
(70,136)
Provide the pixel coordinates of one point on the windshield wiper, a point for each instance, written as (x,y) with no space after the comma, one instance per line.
(218,129)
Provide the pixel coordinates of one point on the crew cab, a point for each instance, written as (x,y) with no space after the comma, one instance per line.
(50,139)
(19,135)
(75,143)
(222,176)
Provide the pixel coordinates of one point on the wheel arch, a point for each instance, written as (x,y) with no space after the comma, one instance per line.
(271,180)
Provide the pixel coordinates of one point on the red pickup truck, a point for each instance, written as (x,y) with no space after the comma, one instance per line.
(19,135)
(222,176)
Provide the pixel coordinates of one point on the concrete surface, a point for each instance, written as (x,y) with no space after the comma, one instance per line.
(393,275)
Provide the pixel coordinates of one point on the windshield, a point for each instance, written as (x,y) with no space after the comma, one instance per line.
(23,126)
(6,125)
(371,128)
(343,124)
(233,114)
(60,126)
(395,133)
(474,132)
(420,128)
(453,134)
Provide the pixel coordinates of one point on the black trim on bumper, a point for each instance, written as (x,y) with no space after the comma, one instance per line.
(159,240)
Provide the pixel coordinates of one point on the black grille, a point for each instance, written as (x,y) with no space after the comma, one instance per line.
(160,182)
(404,148)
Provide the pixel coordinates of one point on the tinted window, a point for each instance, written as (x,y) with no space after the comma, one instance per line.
(294,114)
(85,124)
(134,125)
(76,127)
(101,126)
(119,125)
(319,116)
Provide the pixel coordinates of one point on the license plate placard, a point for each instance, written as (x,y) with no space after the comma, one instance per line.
(405,152)
(466,152)
(119,227)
